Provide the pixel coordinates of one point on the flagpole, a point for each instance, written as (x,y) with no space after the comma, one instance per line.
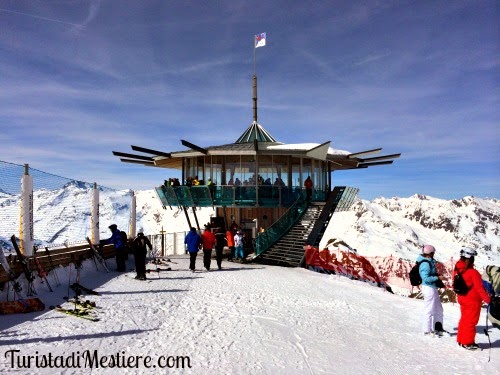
(254,81)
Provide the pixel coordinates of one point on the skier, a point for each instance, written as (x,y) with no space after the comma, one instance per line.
(230,243)
(491,276)
(220,242)
(140,244)
(238,242)
(193,241)
(116,240)
(208,242)
(431,281)
(470,304)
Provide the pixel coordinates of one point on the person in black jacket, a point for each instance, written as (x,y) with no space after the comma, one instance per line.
(220,242)
(139,245)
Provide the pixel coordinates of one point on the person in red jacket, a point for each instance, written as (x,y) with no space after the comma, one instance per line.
(208,242)
(470,304)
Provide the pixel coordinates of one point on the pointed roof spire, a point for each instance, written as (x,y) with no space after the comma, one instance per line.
(255,132)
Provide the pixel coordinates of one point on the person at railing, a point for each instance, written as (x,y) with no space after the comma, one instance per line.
(308,184)
(193,242)
(211,187)
(176,182)
(208,242)
(196,182)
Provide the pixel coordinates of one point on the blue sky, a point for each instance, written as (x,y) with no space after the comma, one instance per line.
(79,79)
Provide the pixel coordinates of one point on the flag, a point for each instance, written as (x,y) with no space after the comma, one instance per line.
(260,40)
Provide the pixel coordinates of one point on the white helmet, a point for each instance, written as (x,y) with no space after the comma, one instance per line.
(467,252)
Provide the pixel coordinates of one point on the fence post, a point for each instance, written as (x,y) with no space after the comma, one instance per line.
(132,224)
(94,216)
(26,218)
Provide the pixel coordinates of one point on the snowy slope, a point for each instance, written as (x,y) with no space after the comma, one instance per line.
(246,319)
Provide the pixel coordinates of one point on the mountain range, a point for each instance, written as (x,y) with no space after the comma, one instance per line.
(381,227)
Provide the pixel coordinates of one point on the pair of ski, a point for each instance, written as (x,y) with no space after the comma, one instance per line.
(84,313)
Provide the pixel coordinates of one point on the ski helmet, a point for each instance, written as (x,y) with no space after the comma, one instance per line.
(467,252)
(428,249)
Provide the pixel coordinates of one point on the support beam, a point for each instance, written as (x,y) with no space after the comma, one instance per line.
(358,154)
(144,162)
(194,147)
(133,156)
(150,151)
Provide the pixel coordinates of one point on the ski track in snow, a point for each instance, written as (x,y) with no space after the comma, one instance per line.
(245,319)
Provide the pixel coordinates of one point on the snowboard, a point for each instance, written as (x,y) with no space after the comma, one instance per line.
(21,306)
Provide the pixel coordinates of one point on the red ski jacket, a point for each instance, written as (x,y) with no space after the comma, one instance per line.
(472,278)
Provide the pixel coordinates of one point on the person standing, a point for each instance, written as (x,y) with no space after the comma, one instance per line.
(491,276)
(120,247)
(220,242)
(431,281)
(308,184)
(193,241)
(208,242)
(230,243)
(470,303)
(140,245)
(238,243)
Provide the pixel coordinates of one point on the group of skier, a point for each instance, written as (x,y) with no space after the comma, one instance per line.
(209,241)
(138,247)
(470,300)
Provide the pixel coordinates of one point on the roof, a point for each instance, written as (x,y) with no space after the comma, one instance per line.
(255,140)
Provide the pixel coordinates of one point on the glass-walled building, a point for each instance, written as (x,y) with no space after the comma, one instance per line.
(253,180)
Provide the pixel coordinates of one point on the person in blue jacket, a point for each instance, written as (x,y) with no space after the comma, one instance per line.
(116,240)
(193,242)
(431,282)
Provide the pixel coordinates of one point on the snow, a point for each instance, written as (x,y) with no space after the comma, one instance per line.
(245,319)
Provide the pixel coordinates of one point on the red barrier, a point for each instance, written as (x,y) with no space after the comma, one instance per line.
(381,270)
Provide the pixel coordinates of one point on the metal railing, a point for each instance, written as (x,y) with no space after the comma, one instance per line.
(230,195)
(267,238)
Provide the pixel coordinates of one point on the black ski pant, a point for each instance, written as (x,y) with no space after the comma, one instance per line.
(140,263)
(192,260)
(120,260)
(218,256)
(207,254)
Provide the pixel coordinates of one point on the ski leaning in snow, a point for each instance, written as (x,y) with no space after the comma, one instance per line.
(97,255)
(41,271)
(84,314)
(16,287)
(26,269)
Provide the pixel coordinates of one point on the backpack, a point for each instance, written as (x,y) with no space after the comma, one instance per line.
(124,239)
(415,279)
(459,285)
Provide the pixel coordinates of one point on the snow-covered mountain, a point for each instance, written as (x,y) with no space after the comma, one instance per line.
(400,226)
(381,227)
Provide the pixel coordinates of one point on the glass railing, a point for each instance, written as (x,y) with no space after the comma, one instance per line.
(230,195)
(267,238)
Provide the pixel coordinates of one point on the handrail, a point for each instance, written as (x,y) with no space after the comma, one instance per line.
(270,236)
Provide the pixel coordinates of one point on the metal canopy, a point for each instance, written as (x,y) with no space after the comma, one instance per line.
(255,132)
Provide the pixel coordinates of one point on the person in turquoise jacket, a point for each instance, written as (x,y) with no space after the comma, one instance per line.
(431,282)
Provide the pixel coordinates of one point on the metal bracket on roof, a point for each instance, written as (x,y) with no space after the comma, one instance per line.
(194,147)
